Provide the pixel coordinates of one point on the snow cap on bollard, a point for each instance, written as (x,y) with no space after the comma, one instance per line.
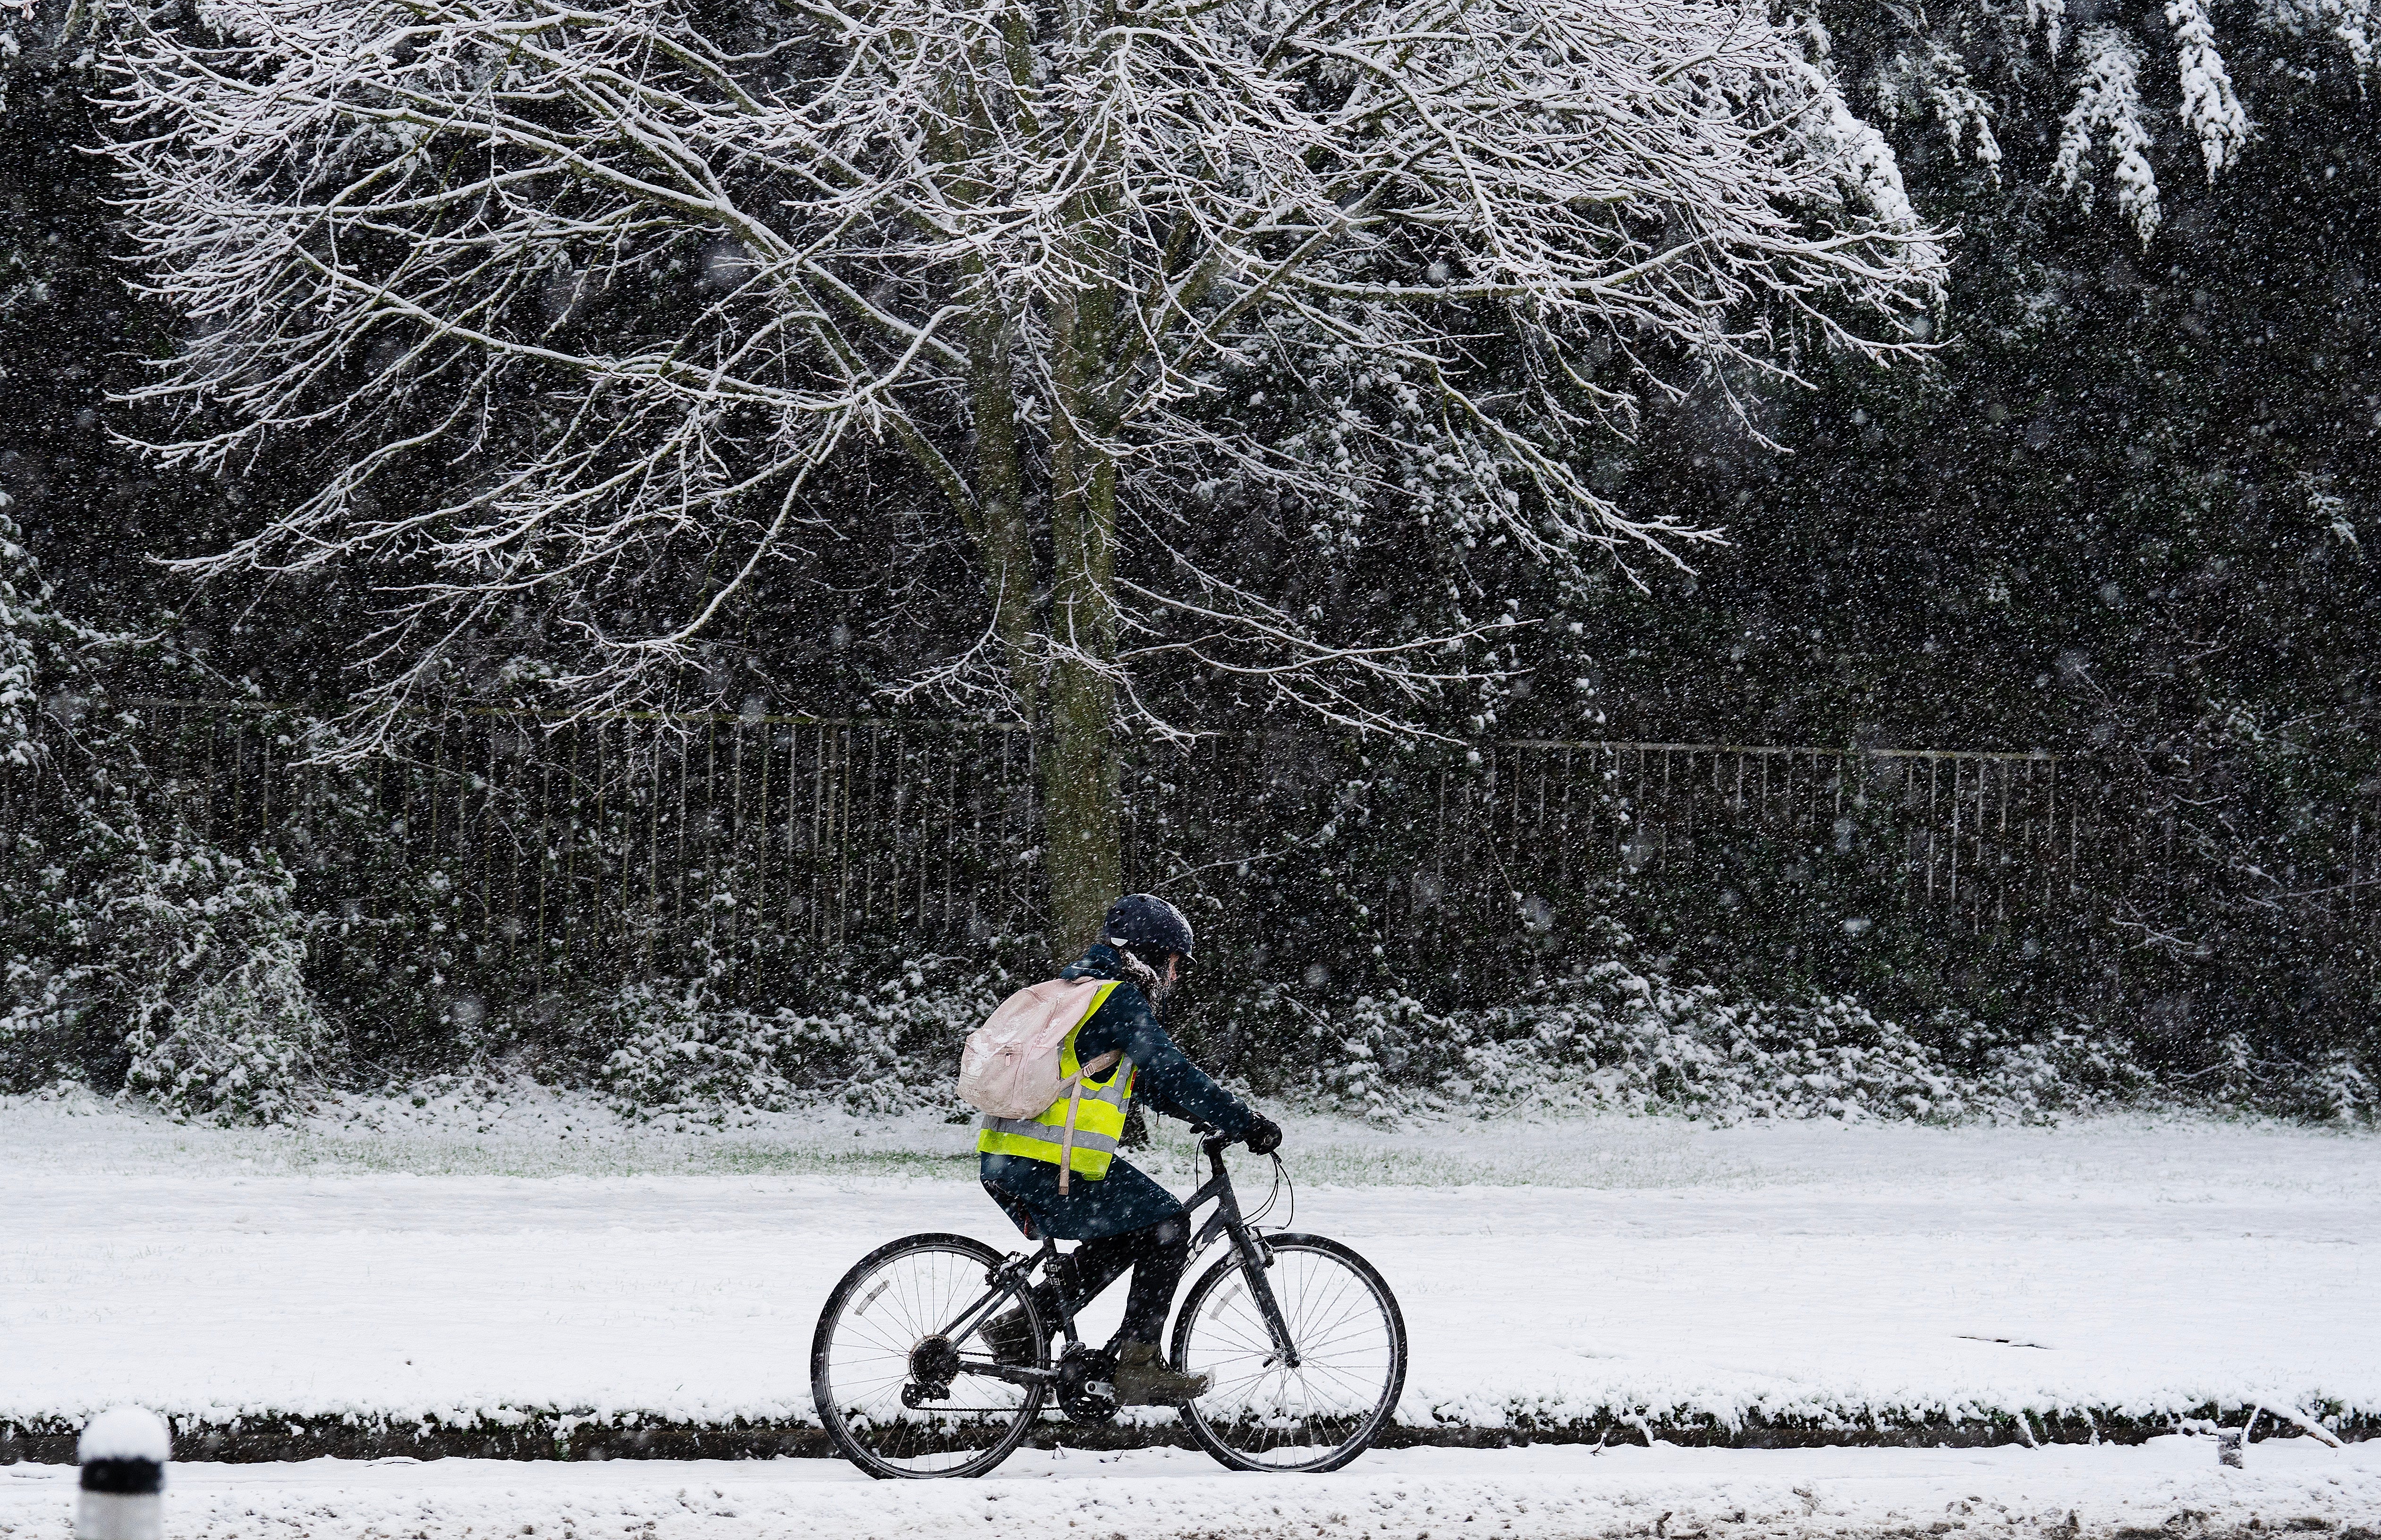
(123,1455)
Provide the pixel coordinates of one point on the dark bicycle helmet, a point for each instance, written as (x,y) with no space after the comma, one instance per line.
(1149,926)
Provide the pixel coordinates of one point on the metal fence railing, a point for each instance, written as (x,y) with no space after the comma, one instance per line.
(602,848)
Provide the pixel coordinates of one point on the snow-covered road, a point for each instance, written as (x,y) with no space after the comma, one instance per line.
(2171,1486)
(2131,1266)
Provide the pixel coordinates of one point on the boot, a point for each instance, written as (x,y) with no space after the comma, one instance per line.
(1144,1379)
(1010,1340)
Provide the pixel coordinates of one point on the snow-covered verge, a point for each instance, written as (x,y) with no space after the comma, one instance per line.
(2172,1487)
(534,1263)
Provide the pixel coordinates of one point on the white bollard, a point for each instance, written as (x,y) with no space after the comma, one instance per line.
(2230,1442)
(123,1455)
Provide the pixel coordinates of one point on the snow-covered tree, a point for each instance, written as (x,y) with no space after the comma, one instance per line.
(662,276)
(185,958)
(167,964)
(39,646)
(206,955)
(1977,69)
(19,685)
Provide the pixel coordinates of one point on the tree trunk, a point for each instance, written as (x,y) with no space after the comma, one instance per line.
(1006,538)
(1080,806)
(1080,803)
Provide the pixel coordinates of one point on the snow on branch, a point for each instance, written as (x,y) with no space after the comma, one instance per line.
(1935,83)
(2050,16)
(2211,109)
(1871,175)
(2346,22)
(2109,108)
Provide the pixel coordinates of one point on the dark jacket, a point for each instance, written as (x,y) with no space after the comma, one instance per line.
(1166,1082)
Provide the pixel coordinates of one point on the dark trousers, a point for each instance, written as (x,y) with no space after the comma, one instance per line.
(1155,1254)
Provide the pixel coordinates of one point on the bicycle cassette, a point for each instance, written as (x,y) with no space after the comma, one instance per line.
(1084,1393)
(934,1363)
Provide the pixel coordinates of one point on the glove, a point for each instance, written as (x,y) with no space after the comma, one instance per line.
(1263,1136)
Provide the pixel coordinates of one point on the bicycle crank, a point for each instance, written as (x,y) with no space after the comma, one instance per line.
(1084,1393)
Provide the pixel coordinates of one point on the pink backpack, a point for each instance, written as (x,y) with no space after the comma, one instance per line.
(1010,1065)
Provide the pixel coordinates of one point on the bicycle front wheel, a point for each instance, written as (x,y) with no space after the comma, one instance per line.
(896,1394)
(1263,1412)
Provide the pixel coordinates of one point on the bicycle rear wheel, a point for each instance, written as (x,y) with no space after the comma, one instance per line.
(895,1394)
(1261,1413)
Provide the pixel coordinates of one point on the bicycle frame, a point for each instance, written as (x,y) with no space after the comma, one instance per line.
(1017,1267)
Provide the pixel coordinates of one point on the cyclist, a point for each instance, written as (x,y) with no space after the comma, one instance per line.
(1123,1218)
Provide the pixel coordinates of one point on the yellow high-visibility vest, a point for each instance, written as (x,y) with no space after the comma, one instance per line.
(1099,1114)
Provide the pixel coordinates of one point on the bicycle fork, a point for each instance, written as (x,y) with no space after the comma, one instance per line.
(1253,1272)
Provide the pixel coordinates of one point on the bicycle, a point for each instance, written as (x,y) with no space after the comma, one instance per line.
(1303,1343)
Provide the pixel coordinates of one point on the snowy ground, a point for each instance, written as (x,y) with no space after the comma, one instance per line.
(529,1252)
(2171,1487)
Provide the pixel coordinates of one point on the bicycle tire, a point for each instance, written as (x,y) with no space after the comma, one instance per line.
(864,1416)
(1234,1414)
